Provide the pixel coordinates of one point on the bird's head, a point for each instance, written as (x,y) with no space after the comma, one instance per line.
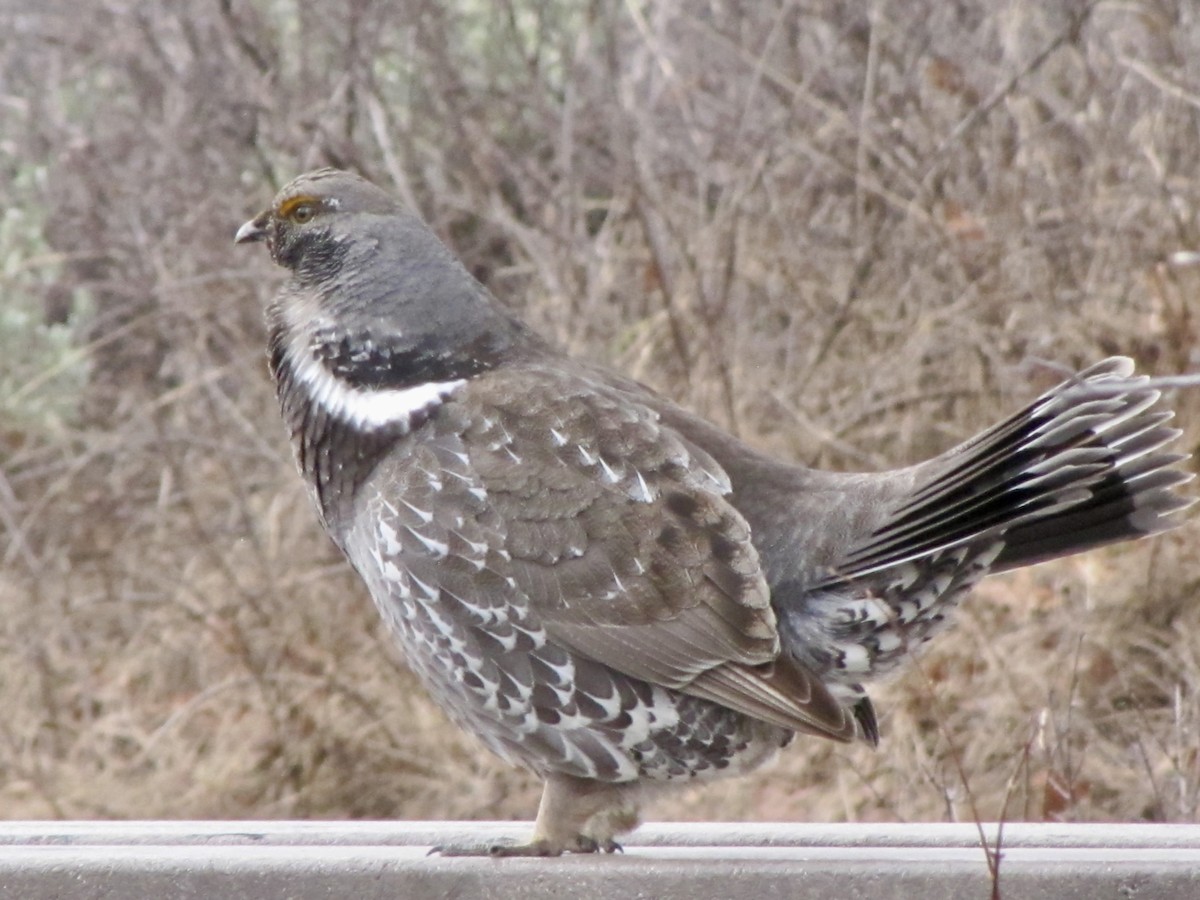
(376,302)
(314,214)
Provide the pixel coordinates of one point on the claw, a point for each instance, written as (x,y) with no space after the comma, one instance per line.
(483,849)
(576,815)
(579,844)
(533,848)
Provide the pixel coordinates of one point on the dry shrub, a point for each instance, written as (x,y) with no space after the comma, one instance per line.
(853,234)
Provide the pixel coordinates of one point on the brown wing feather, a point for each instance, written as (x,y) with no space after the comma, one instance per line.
(783,693)
(618,533)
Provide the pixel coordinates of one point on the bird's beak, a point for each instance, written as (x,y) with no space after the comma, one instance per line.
(254,230)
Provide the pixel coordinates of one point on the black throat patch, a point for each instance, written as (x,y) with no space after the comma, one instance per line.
(367,362)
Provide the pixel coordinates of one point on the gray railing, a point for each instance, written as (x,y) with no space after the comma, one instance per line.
(370,860)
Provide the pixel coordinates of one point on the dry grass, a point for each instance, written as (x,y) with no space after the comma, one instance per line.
(850,234)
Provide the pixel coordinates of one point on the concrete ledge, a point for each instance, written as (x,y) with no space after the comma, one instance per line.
(369,860)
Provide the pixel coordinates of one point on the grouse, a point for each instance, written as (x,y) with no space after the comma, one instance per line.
(606,588)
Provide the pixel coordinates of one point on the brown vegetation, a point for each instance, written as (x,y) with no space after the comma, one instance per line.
(853,233)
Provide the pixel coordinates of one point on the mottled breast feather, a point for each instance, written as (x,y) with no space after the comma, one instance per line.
(542,530)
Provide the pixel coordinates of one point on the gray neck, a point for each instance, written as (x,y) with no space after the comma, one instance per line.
(361,360)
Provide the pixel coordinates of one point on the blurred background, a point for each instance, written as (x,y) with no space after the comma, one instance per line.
(854,233)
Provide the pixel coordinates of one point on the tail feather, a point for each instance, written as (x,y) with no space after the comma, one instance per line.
(1143,504)
(1080,467)
(1075,469)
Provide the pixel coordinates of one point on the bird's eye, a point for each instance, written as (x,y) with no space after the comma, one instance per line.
(302,212)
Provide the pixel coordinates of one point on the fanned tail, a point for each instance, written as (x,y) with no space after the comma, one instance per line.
(1079,467)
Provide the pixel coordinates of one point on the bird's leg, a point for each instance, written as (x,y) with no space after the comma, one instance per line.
(576,815)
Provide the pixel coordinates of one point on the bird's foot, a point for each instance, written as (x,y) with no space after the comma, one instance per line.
(539,847)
